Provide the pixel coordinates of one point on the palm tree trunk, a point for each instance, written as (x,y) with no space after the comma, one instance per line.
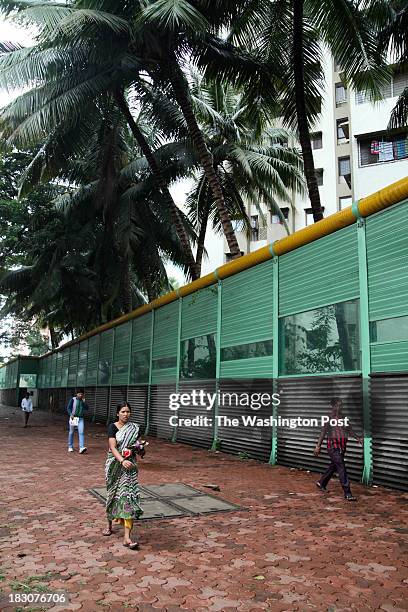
(201,235)
(154,167)
(126,293)
(53,337)
(304,136)
(181,94)
(151,295)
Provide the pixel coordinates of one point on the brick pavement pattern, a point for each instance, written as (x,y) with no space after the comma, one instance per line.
(293,548)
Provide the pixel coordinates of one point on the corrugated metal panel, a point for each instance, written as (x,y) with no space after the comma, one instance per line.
(141,332)
(92,364)
(390,430)
(90,398)
(57,396)
(160,412)
(310,398)
(199,313)
(12,371)
(387,262)
(164,375)
(389,357)
(47,373)
(82,358)
(247,306)
(165,331)
(117,396)
(197,436)
(29,366)
(40,374)
(101,404)
(58,369)
(121,354)
(323,272)
(65,367)
(254,441)
(73,365)
(165,341)
(53,369)
(105,357)
(62,401)
(137,398)
(255,367)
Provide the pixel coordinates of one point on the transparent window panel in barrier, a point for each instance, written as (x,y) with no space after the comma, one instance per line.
(322,340)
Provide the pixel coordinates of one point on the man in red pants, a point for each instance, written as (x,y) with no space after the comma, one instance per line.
(337,434)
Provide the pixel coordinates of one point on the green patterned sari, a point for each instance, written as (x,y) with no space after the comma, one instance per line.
(123,497)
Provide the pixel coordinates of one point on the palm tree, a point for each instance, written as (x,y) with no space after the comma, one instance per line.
(251,167)
(83,76)
(105,241)
(287,36)
(394,36)
(98,51)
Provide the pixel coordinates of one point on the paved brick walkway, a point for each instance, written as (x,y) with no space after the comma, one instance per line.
(292,549)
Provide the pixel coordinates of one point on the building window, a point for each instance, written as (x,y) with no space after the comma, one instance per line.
(237,225)
(344,202)
(379,148)
(228,256)
(316,140)
(254,227)
(392,88)
(399,83)
(341,94)
(343,131)
(345,170)
(308,217)
(276,218)
(319,176)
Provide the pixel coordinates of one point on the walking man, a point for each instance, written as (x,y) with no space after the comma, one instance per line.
(27,407)
(76,409)
(337,432)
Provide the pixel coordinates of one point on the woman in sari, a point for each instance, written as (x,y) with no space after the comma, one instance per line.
(122,501)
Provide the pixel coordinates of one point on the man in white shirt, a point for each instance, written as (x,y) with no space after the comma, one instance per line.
(27,407)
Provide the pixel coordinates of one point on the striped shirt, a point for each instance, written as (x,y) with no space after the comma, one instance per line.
(337,436)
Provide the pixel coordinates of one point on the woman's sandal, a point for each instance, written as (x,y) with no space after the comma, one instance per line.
(132,546)
(107,532)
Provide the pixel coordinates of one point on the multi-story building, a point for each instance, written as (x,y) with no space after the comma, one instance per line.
(354,156)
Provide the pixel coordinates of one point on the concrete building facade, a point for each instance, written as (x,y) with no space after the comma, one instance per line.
(354,156)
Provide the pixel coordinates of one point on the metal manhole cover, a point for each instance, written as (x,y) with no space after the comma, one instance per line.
(174,500)
(172,490)
(204,503)
(157,508)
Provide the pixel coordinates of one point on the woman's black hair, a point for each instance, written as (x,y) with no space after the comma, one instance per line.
(120,406)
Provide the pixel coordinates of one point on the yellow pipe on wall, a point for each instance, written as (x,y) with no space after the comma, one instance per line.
(314,232)
(394,193)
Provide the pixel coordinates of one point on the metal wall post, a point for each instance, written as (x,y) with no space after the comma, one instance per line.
(174,434)
(150,375)
(275,356)
(365,351)
(97,372)
(111,375)
(215,442)
(130,358)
